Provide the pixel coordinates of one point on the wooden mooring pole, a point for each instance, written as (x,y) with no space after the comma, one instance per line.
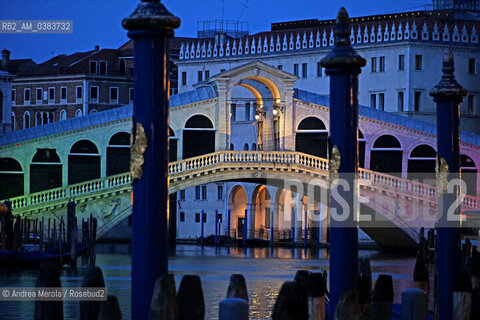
(447,95)
(150,26)
(343,65)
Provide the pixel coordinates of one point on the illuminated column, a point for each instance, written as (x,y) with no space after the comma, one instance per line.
(251,220)
(150,26)
(343,65)
(448,94)
(273,214)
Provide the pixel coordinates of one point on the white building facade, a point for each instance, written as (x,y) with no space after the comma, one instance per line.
(403,53)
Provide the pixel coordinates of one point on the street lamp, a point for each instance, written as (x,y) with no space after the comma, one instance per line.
(277,108)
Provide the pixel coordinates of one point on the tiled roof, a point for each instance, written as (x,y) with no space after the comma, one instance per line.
(67,125)
(427,127)
(206,93)
(203,93)
(96,118)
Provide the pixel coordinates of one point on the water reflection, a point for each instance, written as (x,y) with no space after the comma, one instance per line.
(264,268)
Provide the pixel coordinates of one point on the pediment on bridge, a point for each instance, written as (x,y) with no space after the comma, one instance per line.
(276,80)
(255,69)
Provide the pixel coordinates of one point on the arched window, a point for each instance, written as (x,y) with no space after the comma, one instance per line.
(26,120)
(468,170)
(11,177)
(421,164)
(12,115)
(92,111)
(38,118)
(254,147)
(118,154)
(386,155)
(83,162)
(361,149)
(232,147)
(245,147)
(312,137)
(198,137)
(121,67)
(78,113)
(45,170)
(199,122)
(172,144)
(63,115)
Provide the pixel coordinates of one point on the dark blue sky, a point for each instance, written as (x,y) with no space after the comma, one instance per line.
(99,21)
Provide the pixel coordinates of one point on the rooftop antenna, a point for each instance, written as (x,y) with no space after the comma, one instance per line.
(245,6)
(223,7)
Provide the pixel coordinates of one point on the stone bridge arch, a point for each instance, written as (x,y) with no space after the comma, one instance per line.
(266,83)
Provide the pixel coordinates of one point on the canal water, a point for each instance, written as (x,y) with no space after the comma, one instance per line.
(264,270)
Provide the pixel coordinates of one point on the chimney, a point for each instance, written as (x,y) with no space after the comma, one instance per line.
(5,59)
(97,48)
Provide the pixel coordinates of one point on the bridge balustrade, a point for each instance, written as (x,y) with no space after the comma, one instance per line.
(368,178)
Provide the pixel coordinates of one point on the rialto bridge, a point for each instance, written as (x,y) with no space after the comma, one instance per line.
(235,142)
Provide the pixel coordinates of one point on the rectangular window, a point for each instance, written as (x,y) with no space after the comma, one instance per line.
(222,70)
(374,64)
(94,94)
(219,192)
(220,218)
(130,95)
(197,192)
(103,67)
(373,101)
(295,69)
(417,97)
(184,78)
(233,111)
(319,69)
(51,95)
(204,217)
(182,194)
(93,67)
(400,103)
(182,216)
(471,65)
(382,64)
(200,76)
(401,62)
(63,94)
(247,111)
(79,94)
(26,95)
(304,70)
(14,95)
(113,95)
(39,95)
(471,104)
(381,101)
(280,67)
(418,62)
(197,217)
(204,192)
(207,74)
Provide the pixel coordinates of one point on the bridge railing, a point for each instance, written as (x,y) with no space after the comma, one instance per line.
(71,191)
(375,179)
(423,190)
